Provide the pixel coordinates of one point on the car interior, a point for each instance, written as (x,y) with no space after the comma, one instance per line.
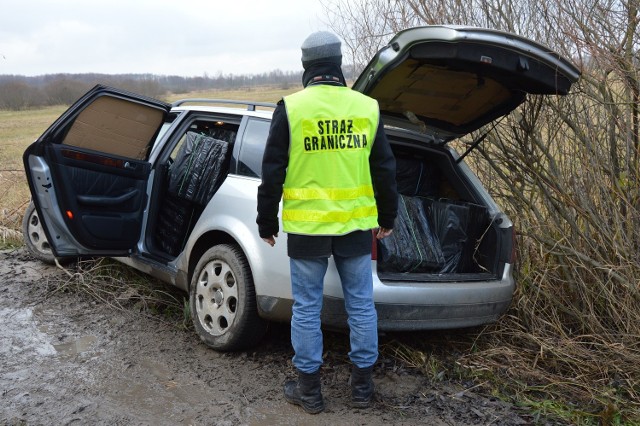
(441,231)
(195,169)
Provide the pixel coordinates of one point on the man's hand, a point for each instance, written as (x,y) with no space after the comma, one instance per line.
(271,240)
(383,233)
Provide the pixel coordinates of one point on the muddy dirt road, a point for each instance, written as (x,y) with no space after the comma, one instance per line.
(66,359)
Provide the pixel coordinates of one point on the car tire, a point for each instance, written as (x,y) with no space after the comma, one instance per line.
(36,240)
(222,300)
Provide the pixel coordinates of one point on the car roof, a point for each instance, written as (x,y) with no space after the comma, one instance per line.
(216,106)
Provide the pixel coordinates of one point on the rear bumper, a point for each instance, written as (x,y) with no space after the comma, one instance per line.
(397,317)
(406,306)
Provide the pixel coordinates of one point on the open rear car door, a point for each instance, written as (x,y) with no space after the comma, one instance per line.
(88,172)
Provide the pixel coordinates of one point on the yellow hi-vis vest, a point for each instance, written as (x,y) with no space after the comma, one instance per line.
(328,189)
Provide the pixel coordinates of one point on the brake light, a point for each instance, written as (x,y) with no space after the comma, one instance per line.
(70,214)
(374,245)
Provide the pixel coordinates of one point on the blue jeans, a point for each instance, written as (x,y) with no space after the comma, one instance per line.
(307,277)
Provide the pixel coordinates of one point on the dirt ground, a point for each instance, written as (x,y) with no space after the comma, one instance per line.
(67,359)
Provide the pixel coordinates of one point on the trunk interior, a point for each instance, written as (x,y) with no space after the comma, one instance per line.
(442,232)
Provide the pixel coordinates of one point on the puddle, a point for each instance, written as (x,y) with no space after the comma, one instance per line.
(19,334)
(77,346)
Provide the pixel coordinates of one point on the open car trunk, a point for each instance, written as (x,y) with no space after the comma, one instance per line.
(442,232)
(444,82)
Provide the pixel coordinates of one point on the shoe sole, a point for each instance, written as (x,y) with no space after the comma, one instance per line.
(361,404)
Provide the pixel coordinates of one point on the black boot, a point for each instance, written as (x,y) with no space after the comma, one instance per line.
(361,387)
(305,392)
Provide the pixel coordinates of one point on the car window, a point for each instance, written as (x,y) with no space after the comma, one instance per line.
(115,126)
(165,126)
(253,141)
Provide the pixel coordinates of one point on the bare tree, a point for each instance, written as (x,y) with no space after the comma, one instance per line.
(367,25)
(17,95)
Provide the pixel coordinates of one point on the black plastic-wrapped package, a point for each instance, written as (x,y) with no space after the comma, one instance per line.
(450,226)
(476,228)
(174,220)
(416,177)
(199,168)
(458,227)
(214,169)
(182,165)
(412,247)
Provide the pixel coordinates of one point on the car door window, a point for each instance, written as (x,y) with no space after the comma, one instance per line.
(115,126)
(253,142)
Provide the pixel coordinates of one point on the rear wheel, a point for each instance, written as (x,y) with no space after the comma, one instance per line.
(223,300)
(36,240)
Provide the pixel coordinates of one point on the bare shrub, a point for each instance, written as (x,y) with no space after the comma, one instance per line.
(62,90)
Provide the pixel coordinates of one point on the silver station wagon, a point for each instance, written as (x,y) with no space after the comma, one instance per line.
(171,189)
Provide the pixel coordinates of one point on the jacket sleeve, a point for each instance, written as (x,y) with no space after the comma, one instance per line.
(274,167)
(383,174)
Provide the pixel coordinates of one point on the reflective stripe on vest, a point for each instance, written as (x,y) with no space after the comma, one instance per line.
(328,189)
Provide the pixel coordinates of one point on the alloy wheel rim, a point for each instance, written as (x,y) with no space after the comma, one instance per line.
(216,297)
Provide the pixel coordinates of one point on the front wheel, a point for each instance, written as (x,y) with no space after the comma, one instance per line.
(223,300)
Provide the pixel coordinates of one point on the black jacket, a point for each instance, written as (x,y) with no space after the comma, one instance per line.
(274,166)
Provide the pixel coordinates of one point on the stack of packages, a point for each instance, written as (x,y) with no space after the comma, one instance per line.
(430,235)
(173,223)
(195,175)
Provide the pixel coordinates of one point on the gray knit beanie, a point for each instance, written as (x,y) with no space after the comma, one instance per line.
(321,46)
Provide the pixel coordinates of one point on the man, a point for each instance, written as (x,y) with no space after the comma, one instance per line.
(328,157)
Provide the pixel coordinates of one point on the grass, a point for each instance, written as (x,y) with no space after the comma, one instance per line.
(261,94)
(17,130)
(124,289)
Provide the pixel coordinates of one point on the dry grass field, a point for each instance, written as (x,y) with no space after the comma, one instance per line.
(256,94)
(17,130)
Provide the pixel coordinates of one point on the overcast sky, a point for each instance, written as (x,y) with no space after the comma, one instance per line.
(178,37)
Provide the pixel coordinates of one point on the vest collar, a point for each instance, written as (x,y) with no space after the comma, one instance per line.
(322,69)
(325,79)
